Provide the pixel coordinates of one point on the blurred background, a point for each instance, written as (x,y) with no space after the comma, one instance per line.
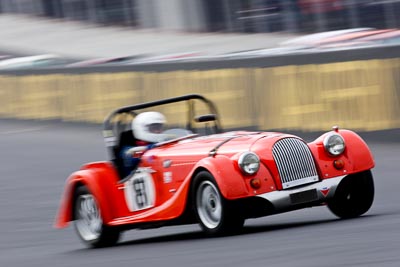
(249,16)
(298,66)
(286,64)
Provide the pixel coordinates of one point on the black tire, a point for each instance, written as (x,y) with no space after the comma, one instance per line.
(214,213)
(89,223)
(354,196)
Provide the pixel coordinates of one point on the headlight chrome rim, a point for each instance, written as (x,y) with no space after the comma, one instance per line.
(334,144)
(249,163)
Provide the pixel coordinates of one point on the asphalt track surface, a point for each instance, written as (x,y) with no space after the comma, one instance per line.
(37,157)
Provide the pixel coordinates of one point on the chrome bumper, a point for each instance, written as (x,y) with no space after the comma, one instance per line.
(315,192)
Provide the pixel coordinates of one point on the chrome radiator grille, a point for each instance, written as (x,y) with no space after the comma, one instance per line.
(295,162)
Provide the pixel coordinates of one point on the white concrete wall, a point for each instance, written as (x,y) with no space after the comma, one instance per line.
(174,15)
(194,15)
(146,14)
(170,14)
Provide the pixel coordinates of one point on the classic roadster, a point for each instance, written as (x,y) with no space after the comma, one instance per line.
(200,174)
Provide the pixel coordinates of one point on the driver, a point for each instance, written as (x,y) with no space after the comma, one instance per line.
(147,128)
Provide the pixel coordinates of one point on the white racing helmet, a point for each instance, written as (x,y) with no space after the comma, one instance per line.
(148,126)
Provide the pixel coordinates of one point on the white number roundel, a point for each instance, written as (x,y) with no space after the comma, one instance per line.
(139,191)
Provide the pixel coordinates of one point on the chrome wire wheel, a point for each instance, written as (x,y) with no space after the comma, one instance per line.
(209,205)
(88,218)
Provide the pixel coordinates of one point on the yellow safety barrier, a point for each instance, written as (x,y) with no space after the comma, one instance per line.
(361,95)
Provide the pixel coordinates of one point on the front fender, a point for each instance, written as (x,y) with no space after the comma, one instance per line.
(358,150)
(357,156)
(100,179)
(222,167)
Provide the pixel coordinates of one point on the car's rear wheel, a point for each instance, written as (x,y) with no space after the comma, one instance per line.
(89,223)
(354,196)
(214,213)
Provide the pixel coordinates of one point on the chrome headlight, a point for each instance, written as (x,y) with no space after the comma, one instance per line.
(334,144)
(249,163)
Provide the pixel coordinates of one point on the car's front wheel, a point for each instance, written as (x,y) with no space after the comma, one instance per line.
(89,223)
(214,213)
(354,196)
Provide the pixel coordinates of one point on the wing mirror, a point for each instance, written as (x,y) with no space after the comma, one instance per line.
(208,129)
(205,118)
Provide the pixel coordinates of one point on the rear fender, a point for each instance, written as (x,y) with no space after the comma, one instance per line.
(100,182)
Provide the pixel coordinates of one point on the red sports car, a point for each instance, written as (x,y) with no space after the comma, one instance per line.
(214,178)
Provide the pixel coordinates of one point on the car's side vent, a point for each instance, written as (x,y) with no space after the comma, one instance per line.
(295,162)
